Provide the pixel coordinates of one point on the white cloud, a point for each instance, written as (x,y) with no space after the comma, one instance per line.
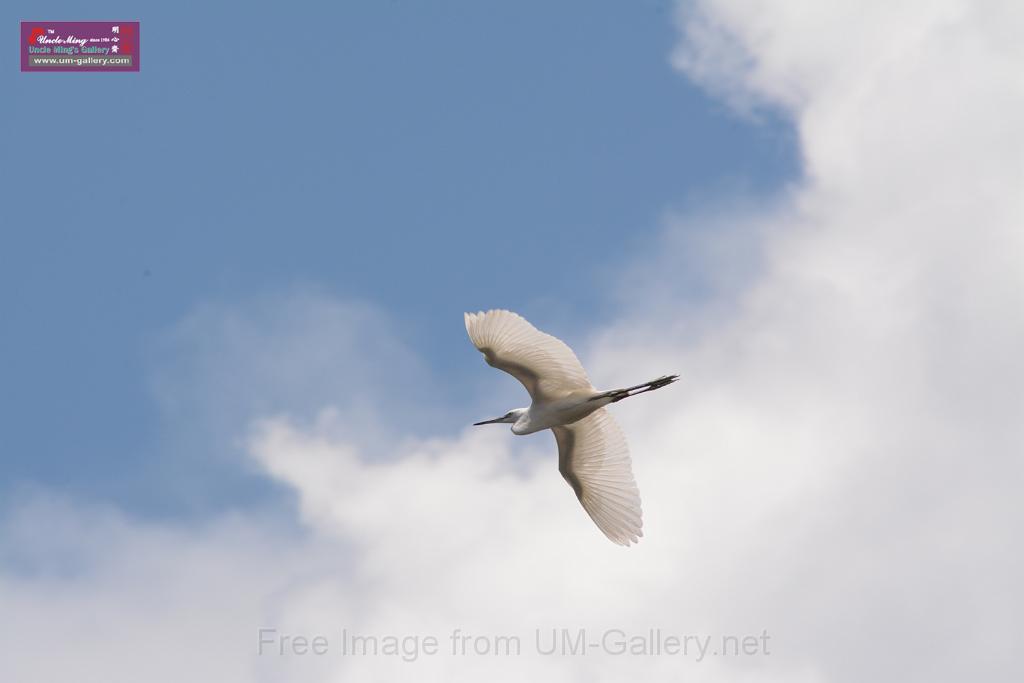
(97,597)
(298,352)
(839,465)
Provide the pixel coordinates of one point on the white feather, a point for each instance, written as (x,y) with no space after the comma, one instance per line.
(592,452)
(594,458)
(545,365)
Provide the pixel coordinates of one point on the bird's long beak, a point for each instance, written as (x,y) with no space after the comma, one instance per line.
(489,422)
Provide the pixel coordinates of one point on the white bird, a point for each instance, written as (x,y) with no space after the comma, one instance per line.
(592,452)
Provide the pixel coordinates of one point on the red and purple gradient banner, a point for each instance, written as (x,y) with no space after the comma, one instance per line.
(79,46)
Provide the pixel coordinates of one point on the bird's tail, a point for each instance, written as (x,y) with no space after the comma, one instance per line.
(619,394)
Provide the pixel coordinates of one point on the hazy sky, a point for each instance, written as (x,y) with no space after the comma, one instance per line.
(237,389)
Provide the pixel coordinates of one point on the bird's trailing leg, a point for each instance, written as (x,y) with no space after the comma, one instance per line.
(619,394)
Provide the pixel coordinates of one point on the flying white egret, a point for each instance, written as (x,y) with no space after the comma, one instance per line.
(592,452)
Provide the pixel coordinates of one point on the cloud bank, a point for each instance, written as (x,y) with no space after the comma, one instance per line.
(840,466)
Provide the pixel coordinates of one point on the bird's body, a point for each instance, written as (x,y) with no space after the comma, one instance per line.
(559,411)
(592,453)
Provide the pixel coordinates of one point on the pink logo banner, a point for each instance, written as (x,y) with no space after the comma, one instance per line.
(79,46)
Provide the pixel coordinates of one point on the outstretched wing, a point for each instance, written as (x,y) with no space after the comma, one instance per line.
(594,458)
(544,364)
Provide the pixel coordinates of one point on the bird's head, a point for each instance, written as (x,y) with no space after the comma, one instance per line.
(511,417)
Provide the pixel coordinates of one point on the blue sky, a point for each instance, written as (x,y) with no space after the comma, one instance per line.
(402,154)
